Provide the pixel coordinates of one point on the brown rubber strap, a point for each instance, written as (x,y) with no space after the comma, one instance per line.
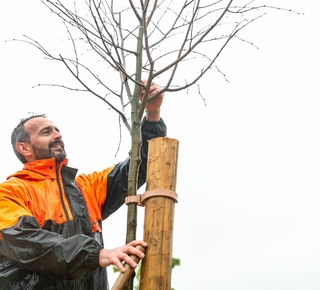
(140,198)
(159,192)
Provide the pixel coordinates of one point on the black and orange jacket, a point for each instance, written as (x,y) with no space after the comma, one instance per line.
(51,221)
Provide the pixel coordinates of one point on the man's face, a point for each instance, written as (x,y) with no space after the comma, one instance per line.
(45,140)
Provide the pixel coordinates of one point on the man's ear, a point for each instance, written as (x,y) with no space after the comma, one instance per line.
(24,149)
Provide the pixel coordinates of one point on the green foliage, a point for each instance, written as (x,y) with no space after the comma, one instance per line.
(175,262)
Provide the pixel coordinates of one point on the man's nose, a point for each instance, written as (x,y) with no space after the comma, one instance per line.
(56,135)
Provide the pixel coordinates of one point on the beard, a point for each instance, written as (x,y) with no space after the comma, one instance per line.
(51,152)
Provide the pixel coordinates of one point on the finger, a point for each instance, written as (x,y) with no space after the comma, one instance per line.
(138,242)
(154,87)
(120,266)
(130,262)
(136,252)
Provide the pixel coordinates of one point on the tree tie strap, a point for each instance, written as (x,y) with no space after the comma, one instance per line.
(139,199)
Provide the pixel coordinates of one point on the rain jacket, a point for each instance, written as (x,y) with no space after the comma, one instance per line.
(51,221)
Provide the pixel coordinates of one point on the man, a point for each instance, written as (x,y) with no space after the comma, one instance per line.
(51,219)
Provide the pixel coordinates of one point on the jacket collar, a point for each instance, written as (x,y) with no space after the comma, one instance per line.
(40,169)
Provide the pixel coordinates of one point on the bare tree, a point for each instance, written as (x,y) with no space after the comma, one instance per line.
(178,41)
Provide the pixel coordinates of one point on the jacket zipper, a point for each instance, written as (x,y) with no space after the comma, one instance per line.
(71,233)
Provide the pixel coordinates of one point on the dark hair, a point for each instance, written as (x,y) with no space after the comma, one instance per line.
(19,134)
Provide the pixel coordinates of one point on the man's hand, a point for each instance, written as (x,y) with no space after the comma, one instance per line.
(152,107)
(118,255)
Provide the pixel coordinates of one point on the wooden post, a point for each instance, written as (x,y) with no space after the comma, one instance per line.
(156,267)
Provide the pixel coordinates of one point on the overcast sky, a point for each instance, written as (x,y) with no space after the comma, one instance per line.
(248,175)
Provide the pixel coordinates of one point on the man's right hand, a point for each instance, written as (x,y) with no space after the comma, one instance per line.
(122,254)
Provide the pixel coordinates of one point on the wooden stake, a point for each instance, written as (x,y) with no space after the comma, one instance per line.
(156,267)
